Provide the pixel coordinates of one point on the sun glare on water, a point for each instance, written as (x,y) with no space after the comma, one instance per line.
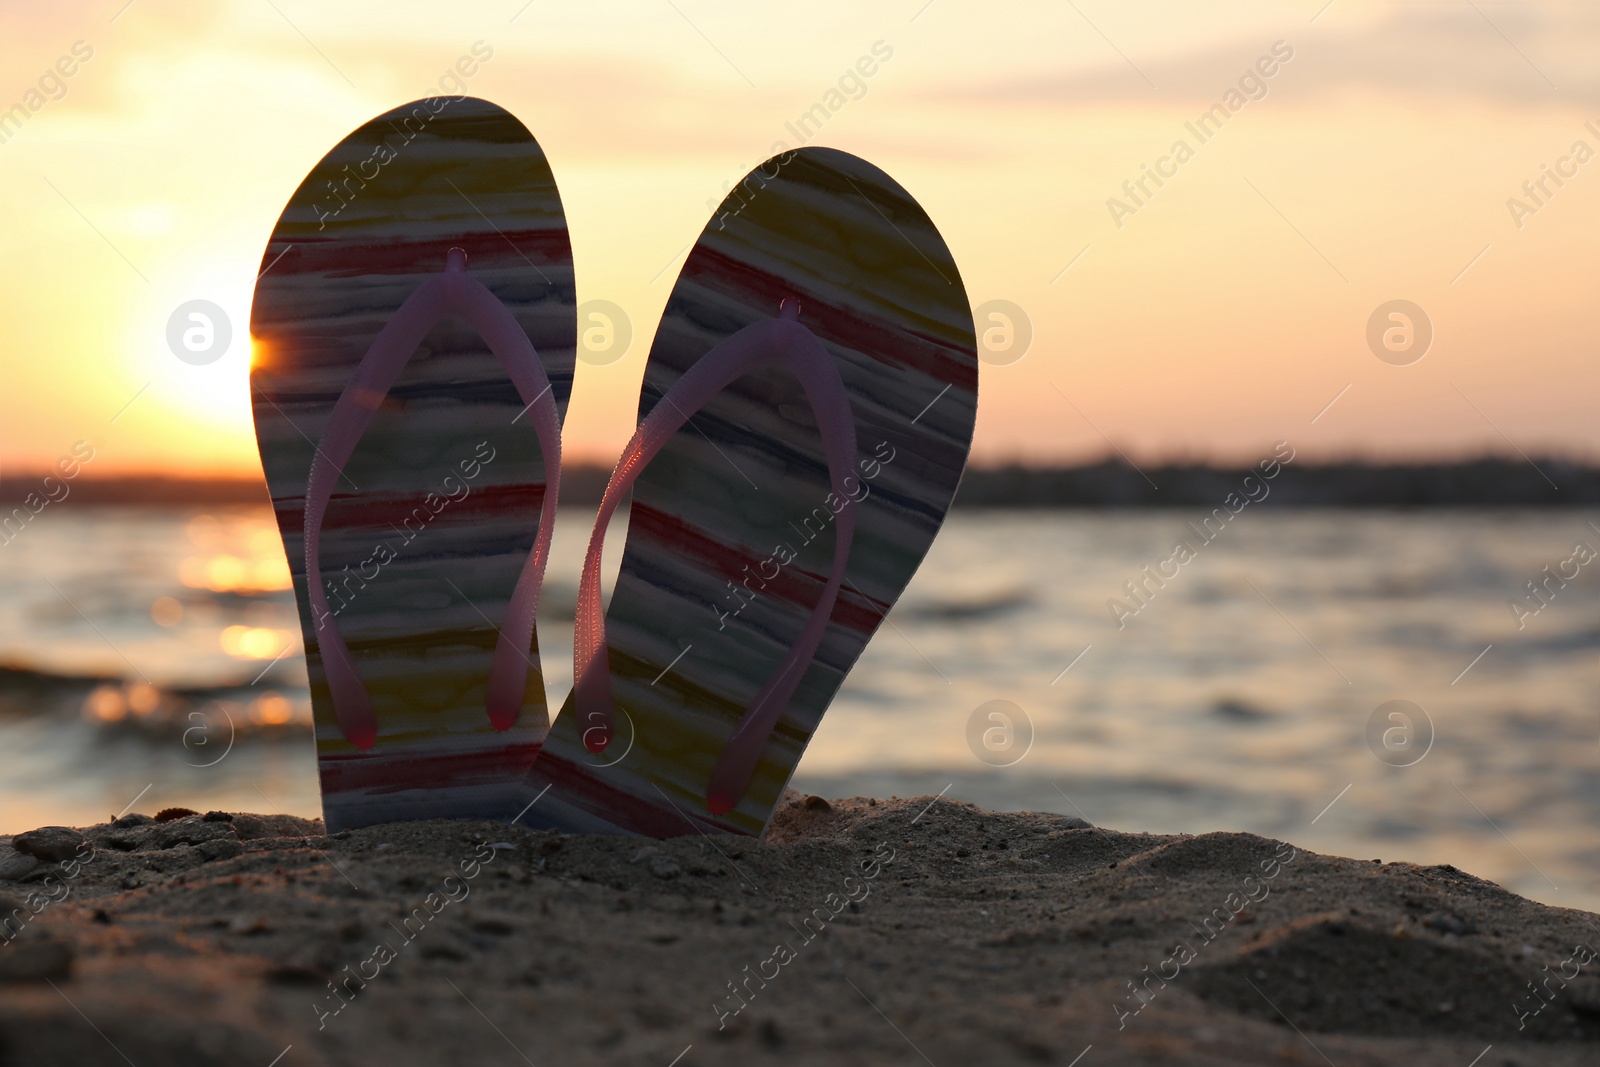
(236,555)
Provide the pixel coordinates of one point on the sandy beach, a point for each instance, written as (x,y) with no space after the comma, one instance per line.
(920,534)
(858,931)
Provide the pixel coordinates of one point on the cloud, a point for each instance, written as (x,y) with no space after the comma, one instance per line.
(1512,58)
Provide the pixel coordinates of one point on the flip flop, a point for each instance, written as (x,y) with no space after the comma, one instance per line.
(414,334)
(807,411)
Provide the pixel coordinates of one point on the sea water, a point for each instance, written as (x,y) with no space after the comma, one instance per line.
(1043,660)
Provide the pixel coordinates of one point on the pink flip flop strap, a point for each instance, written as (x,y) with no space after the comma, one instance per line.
(452,292)
(783,342)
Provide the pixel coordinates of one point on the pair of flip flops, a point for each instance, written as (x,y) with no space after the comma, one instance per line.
(806,414)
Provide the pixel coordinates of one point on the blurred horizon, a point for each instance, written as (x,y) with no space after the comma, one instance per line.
(1111,480)
(1208,313)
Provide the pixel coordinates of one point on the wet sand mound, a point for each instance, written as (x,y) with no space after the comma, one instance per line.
(1335,973)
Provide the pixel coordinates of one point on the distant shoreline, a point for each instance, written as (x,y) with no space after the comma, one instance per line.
(1490,482)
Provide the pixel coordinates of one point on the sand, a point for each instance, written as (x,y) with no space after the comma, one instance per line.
(938,933)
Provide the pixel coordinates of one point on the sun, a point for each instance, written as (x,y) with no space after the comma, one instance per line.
(194,334)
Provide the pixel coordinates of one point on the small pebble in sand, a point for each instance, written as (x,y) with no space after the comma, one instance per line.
(16,866)
(661,865)
(1446,923)
(172,814)
(51,844)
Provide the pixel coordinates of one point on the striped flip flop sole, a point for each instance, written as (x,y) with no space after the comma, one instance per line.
(731,531)
(437,509)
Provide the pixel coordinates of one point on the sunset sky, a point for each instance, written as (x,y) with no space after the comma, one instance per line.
(1222,313)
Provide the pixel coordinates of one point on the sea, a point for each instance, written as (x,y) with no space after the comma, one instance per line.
(1416,686)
